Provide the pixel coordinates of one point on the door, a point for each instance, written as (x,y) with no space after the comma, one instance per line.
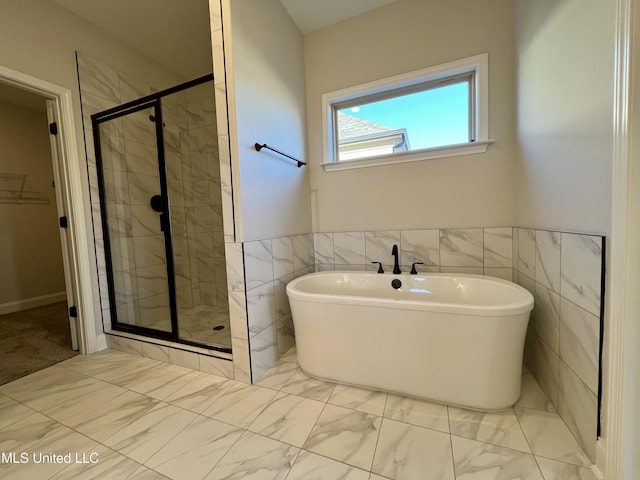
(135,220)
(65,239)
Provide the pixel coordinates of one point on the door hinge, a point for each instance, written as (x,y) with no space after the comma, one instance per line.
(64,222)
(53,128)
(73,312)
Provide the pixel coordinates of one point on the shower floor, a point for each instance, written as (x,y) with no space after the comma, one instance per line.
(197,324)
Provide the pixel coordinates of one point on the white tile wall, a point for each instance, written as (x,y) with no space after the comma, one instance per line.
(461,247)
(473,250)
(269,265)
(564,272)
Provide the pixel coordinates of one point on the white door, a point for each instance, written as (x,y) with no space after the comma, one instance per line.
(65,235)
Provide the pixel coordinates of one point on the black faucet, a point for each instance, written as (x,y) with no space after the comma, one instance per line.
(396,267)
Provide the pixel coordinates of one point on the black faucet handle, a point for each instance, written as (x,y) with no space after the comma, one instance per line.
(380,270)
(413,267)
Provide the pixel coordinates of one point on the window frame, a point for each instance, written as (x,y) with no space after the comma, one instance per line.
(397,85)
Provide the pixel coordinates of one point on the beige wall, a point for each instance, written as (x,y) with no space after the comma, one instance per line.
(40,38)
(465,191)
(267,71)
(30,253)
(565,113)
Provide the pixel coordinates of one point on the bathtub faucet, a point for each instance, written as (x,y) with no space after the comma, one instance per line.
(396,267)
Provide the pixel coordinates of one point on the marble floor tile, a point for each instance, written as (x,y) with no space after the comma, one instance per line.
(301,384)
(407,452)
(481,461)
(144,473)
(532,396)
(255,456)
(96,363)
(500,429)
(59,441)
(345,435)
(195,450)
(12,411)
(28,431)
(549,437)
(288,418)
(64,442)
(363,400)
(129,373)
(310,466)
(146,435)
(109,464)
(417,412)
(163,381)
(53,382)
(68,408)
(199,393)
(197,432)
(239,404)
(108,417)
(278,376)
(554,470)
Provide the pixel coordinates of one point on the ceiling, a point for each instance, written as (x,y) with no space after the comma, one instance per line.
(310,15)
(165,30)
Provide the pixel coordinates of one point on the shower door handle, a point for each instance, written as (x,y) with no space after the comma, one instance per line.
(157,203)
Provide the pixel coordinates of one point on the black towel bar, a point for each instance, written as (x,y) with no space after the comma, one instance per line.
(259,147)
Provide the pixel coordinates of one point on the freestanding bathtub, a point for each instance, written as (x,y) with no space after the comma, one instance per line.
(452,338)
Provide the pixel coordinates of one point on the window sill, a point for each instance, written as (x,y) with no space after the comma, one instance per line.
(470,148)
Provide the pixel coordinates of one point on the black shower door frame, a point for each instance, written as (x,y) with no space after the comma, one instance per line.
(150,101)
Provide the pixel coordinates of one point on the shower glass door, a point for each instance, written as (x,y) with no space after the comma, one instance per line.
(161,208)
(135,212)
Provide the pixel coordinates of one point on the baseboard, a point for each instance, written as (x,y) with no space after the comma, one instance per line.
(33,302)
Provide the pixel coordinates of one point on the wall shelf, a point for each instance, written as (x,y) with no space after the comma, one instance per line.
(12,191)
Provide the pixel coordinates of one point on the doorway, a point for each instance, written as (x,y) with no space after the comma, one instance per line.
(34,297)
(70,200)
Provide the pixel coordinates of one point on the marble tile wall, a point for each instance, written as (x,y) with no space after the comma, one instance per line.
(200,201)
(261,320)
(198,359)
(564,273)
(483,251)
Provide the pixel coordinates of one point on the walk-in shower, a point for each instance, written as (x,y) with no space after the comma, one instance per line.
(159,183)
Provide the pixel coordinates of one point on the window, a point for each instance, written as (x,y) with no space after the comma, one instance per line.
(435,112)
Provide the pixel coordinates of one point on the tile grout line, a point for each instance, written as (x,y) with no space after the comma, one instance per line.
(375,448)
(453,458)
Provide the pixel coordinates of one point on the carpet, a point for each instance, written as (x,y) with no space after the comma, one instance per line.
(33,339)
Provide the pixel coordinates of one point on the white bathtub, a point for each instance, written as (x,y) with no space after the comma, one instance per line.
(452,338)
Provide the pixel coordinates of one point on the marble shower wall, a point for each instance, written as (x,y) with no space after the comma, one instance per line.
(194,183)
(261,322)
(564,273)
(482,251)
